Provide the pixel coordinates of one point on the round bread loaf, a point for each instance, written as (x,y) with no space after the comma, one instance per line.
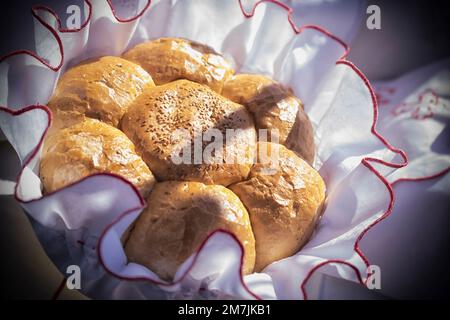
(274,107)
(171,122)
(195,132)
(284,198)
(169,59)
(178,219)
(91,147)
(100,89)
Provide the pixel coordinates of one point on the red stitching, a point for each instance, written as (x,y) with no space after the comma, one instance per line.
(380,95)
(373,129)
(113,10)
(58,290)
(366,162)
(34,12)
(419,179)
(41,139)
(34,55)
(318,266)
(415,107)
(49,194)
(191,266)
(340,61)
(36,150)
(35,9)
(389,186)
(289,10)
(297,30)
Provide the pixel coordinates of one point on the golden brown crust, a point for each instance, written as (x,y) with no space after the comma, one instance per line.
(100,89)
(91,147)
(177,220)
(301,138)
(169,59)
(274,107)
(284,199)
(154,118)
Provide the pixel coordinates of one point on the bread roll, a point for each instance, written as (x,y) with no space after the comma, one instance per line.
(169,59)
(100,89)
(91,147)
(178,219)
(284,198)
(159,114)
(274,107)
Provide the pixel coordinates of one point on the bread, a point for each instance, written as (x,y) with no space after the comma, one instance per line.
(284,198)
(195,132)
(155,118)
(91,147)
(301,138)
(178,219)
(169,59)
(274,107)
(100,89)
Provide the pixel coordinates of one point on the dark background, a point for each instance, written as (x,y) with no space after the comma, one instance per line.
(414,33)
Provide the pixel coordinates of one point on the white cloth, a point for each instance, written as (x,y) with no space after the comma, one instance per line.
(92,214)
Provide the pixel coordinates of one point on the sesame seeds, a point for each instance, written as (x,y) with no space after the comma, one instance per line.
(195,109)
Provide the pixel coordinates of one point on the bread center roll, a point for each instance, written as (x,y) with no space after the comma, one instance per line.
(173,121)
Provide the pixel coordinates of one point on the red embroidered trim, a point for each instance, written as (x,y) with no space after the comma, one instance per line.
(365,161)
